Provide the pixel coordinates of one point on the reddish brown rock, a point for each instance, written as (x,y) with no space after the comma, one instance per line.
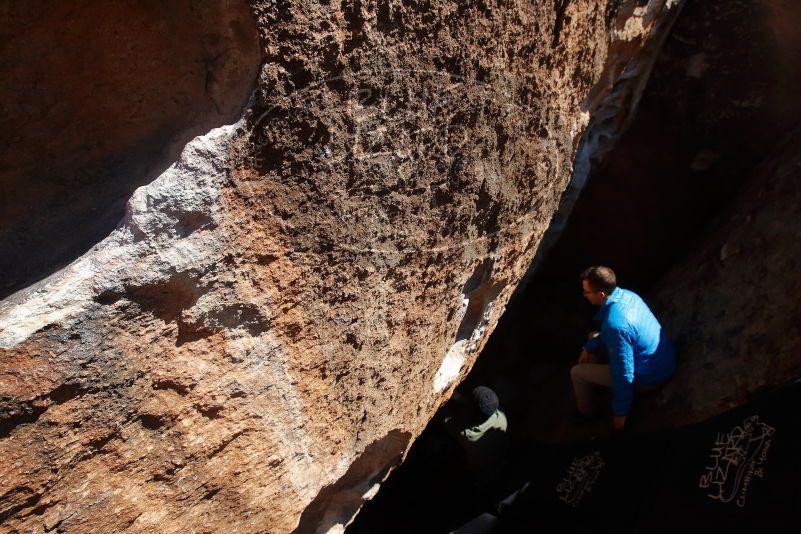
(734,301)
(282,310)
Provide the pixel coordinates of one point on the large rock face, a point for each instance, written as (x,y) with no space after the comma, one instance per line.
(282,310)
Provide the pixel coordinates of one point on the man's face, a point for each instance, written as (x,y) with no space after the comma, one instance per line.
(595,297)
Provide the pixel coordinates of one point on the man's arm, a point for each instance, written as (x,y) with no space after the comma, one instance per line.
(594,345)
(621,367)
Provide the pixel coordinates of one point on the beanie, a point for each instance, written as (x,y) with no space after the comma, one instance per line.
(486,400)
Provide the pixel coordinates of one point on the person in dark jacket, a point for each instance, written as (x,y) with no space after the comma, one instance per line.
(479,427)
(640,355)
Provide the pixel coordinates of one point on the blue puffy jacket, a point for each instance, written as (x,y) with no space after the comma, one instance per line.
(639,351)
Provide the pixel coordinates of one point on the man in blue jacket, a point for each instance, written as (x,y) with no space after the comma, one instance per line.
(640,355)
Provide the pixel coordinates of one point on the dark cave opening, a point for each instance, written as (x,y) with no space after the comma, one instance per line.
(98,99)
(721,97)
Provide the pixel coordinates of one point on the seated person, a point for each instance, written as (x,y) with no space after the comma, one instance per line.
(640,355)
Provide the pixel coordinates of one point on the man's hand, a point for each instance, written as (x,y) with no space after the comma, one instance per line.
(584,357)
(619,421)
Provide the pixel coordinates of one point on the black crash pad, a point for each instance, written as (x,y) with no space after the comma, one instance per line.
(738,472)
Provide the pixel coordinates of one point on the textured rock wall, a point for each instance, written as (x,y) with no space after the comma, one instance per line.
(283,309)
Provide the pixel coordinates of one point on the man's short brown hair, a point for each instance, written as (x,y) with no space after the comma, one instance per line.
(600,278)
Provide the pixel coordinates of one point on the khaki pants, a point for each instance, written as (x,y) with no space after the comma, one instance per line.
(587,377)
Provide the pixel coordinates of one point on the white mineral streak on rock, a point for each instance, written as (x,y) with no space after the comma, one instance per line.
(454,358)
(146,248)
(458,354)
(451,365)
(372,492)
(58,302)
(633,27)
(638,25)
